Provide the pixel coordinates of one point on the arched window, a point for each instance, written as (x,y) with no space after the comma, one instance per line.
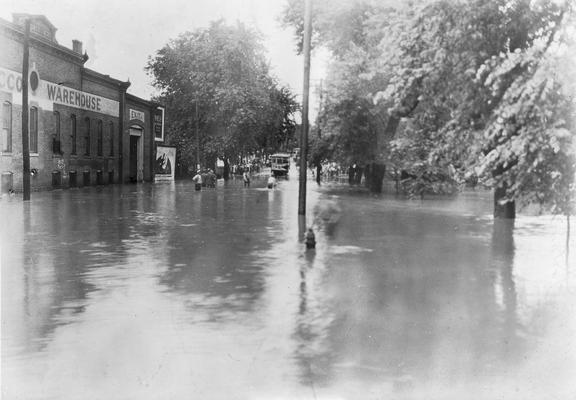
(111,138)
(7,126)
(56,144)
(87,136)
(73,134)
(99,138)
(33,134)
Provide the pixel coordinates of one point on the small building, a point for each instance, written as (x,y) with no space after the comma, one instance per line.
(84,128)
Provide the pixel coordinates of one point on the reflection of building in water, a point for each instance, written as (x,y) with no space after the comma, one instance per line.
(85,129)
(50,277)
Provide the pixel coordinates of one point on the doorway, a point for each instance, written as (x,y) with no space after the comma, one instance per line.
(136,173)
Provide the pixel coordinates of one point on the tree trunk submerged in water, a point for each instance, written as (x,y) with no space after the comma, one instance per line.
(506,209)
(374,176)
(503,209)
(226,170)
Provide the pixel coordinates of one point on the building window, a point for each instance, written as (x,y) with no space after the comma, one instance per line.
(33,130)
(87,136)
(73,132)
(111,138)
(56,143)
(99,138)
(7,127)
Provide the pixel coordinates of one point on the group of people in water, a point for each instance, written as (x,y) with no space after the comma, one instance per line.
(208,179)
(270,184)
(205,178)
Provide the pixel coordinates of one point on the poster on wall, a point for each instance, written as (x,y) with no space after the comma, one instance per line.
(165,163)
(159,124)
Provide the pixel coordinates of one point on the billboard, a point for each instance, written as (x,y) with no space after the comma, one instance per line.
(165,163)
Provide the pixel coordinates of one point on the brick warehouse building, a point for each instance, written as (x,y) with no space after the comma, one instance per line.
(84,128)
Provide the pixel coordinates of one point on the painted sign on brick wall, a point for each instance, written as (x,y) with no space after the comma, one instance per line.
(137,115)
(47,94)
(159,124)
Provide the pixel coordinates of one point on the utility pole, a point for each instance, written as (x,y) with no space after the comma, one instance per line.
(197,139)
(305,94)
(320,104)
(25,113)
(319,124)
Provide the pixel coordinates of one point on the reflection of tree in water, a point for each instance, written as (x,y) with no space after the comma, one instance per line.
(219,251)
(497,344)
(423,303)
(312,353)
(503,262)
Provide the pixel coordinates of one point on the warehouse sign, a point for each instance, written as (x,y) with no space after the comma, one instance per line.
(75,98)
(47,94)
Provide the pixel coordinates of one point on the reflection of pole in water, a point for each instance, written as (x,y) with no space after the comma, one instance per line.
(301,227)
(303,293)
(306,331)
(568,249)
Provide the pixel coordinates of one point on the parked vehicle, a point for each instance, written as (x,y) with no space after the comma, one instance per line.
(280,164)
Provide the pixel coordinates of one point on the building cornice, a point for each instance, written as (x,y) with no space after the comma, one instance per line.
(140,101)
(16,32)
(105,79)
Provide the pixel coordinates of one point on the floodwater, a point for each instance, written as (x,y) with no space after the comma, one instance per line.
(160,292)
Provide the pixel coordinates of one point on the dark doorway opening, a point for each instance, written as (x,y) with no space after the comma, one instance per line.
(133,158)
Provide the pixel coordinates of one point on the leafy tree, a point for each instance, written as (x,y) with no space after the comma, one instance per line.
(469,87)
(529,137)
(217,78)
(349,118)
(445,60)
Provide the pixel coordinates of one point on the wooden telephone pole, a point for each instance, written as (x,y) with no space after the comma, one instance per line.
(25,113)
(305,99)
(197,137)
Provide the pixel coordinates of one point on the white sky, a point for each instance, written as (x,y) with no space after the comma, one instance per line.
(119,35)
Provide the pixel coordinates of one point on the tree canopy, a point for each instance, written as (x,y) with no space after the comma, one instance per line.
(471,87)
(221,70)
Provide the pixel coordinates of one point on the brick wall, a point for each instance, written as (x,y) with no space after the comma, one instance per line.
(53,163)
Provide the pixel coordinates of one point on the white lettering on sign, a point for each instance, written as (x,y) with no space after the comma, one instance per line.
(10,81)
(49,93)
(135,114)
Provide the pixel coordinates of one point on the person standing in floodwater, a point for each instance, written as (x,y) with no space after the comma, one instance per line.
(271,182)
(197,181)
(246,178)
(310,239)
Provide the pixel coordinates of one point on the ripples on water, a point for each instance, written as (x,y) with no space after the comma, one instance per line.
(157,292)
